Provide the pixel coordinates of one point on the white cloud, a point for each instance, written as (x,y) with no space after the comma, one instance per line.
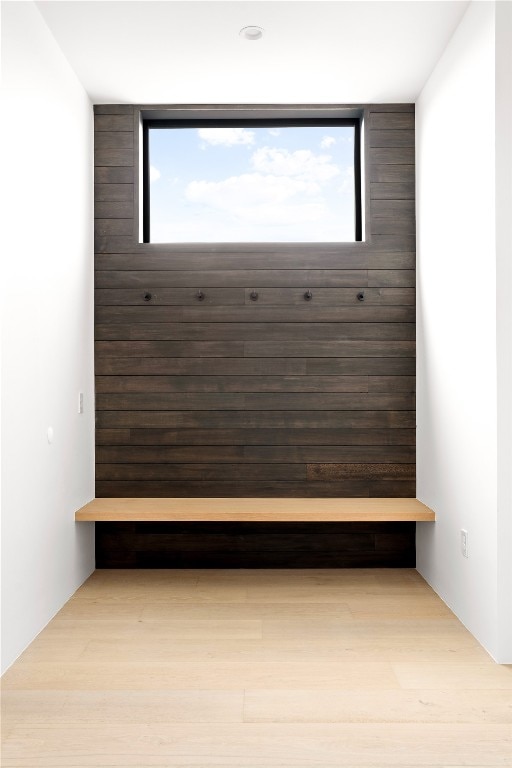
(254,197)
(226,137)
(347,181)
(327,142)
(154,173)
(274,131)
(302,164)
(248,189)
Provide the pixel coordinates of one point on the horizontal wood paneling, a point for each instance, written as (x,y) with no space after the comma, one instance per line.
(258,454)
(117,121)
(392,138)
(113,193)
(392,191)
(258,419)
(113,157)
(368,471)
(391,155)
(292,401)
(115,140)
(127,109)
(329,348)
(232,258)
(113,175)
(392,121)
(149,436)
(255,348)
(400,243)
(114,209)
(195,312)
(114,226)
(275,397)
(165,331)
(233,384)
(258,384)
(267,297)
(401,174)
(383,366)
(254,545)
(251,278)
(201,472)
(255,489)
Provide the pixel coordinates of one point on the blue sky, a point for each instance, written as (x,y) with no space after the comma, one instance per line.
(286,184)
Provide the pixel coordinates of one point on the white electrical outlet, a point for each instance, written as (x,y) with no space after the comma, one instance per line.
(80,402)
(464,542)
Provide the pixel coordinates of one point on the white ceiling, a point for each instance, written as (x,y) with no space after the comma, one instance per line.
(313,51)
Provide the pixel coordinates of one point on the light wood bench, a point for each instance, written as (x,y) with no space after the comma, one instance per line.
(255,510)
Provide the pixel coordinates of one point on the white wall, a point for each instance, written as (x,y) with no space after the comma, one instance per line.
(457,407)
(47,340)
(504,321)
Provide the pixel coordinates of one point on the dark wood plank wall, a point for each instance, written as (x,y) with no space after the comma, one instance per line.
(275,397)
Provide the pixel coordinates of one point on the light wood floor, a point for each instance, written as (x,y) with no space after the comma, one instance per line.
(256,669)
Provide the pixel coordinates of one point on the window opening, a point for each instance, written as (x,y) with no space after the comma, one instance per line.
(224,180)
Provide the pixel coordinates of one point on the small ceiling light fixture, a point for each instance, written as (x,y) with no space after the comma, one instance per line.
(251,33)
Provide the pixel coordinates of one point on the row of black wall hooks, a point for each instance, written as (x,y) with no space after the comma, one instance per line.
(254,295)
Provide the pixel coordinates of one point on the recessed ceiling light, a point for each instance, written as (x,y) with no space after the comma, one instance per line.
(251,33)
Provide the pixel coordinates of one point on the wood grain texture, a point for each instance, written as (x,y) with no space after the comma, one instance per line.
(385,366)
(258,419)
(254,544)
(220,298)
(253,331)
(386,173)
(113,209)
(114,122)
(233,257)
(252,278)
(187,309)
(392,191)
(392,121)
(255,510)
(113,157)
(234,384)
(113,193)
(114,175)
(113,139)
(392,155)
(391,138)
(116,109)
(266,454)
(152,436)
(229,396)
(114,225)
(325,668)
(275,401)
(263,489)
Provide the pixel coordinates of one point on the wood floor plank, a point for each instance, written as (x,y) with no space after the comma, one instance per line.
(444,676)
(311,744)
(342,649)
(169,631)
(86,610)
(97,675)
(415,706)
(214,668)
(66,708)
